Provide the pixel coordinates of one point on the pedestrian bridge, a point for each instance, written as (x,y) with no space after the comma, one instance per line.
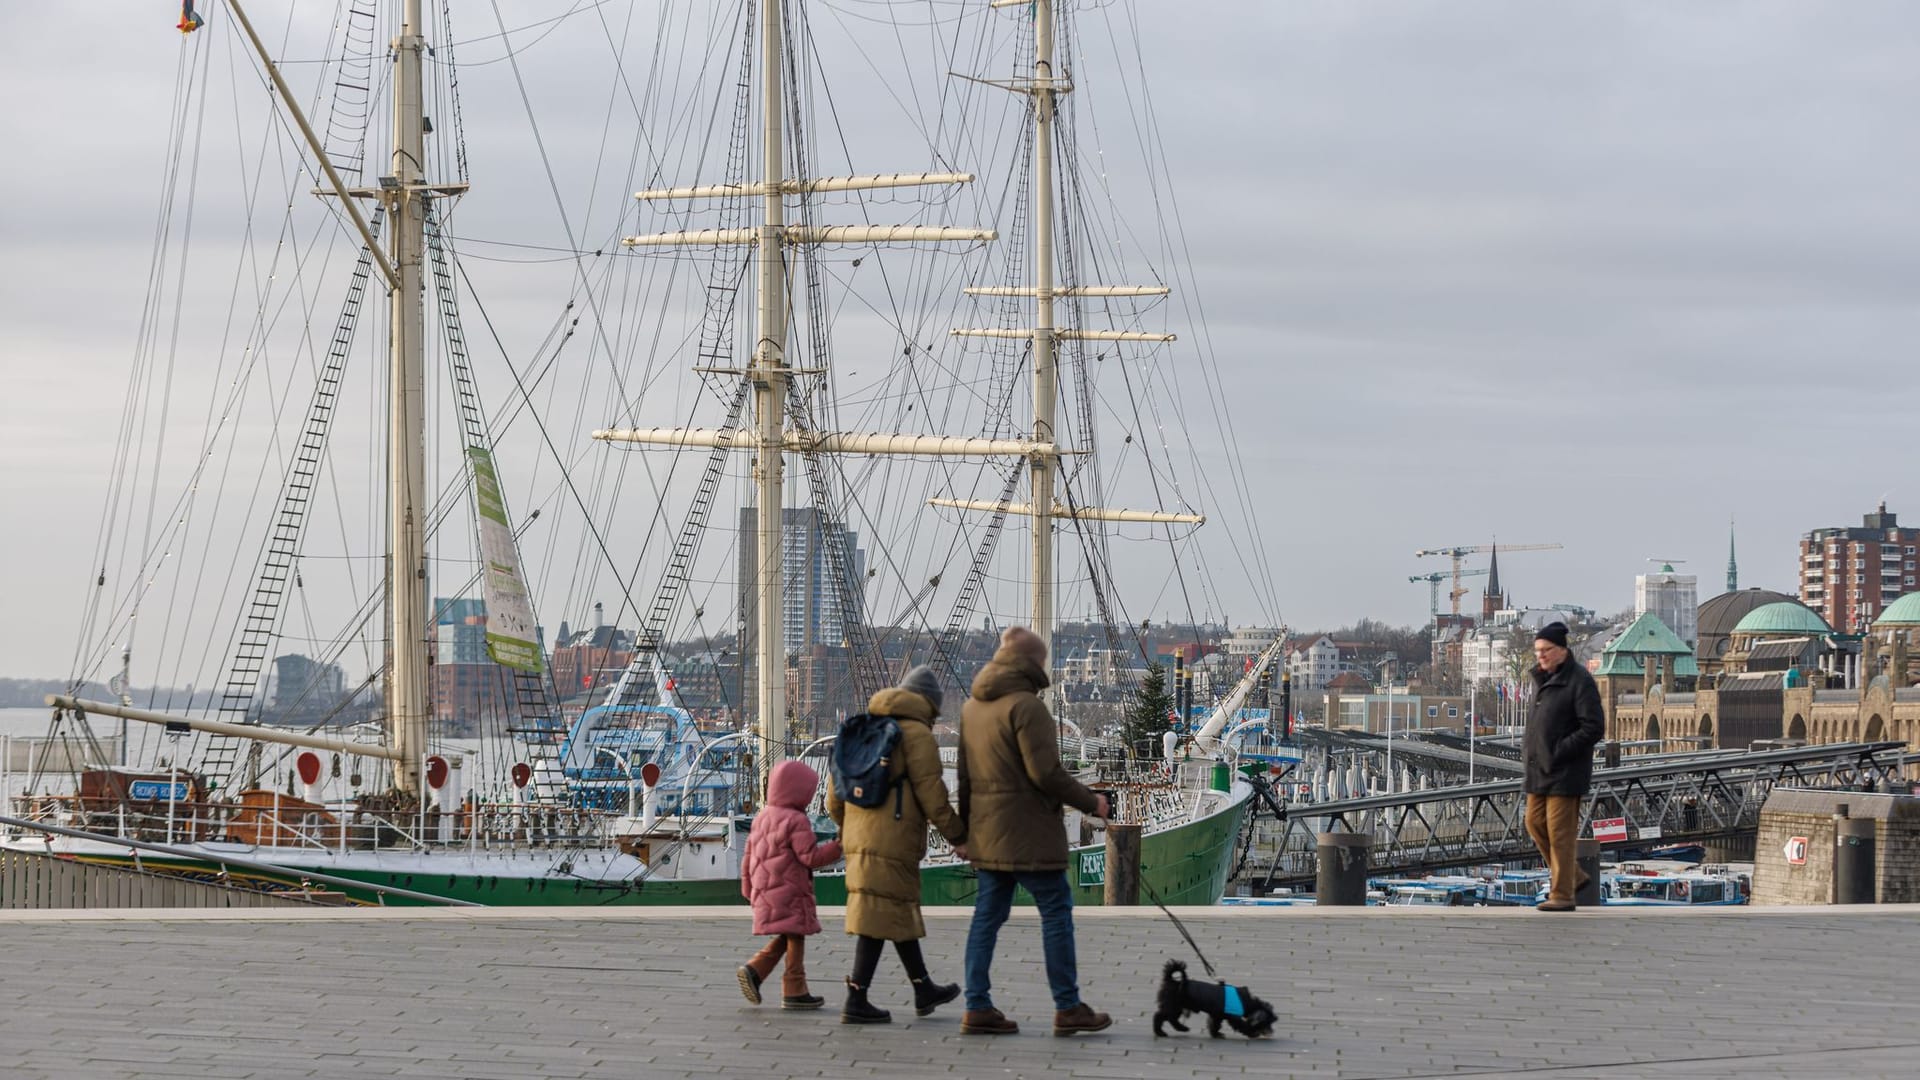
(1703,797)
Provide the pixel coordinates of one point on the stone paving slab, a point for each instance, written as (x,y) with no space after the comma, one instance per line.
(558,993)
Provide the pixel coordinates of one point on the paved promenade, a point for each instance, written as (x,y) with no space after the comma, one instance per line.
(508,994)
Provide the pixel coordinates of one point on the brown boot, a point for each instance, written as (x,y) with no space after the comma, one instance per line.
(794,993)
(793,981)
(987,1022)
(749,983)
(1080,1020)
(755,971)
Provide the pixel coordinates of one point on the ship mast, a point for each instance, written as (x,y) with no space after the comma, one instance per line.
(1045,90)
(406,436)
(1045,389)
(771,439)
(404,194)
(769,376)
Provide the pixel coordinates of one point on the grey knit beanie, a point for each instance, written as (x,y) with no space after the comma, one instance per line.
(924,681)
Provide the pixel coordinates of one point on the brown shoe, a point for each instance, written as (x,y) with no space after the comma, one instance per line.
(987,1022)
(1080,1020)
(1556,905)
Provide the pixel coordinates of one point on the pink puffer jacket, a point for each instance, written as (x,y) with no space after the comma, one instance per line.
(782,854)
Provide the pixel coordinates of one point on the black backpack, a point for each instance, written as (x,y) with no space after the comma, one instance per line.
(859,764)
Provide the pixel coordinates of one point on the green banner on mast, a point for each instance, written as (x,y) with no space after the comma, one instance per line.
(510,629)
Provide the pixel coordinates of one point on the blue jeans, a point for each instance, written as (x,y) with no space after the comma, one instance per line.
(994,902)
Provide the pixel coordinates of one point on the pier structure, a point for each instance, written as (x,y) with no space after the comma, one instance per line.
(1700,797)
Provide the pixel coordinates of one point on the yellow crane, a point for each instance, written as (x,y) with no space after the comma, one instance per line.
(1460,553)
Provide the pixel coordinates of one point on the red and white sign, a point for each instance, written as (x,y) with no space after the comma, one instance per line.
(1795,851)
(1610,830)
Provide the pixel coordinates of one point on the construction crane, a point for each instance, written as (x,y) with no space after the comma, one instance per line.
(1666,565)
(1460,553)
(1433,581)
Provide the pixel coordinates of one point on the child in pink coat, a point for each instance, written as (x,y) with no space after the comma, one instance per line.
(777,876)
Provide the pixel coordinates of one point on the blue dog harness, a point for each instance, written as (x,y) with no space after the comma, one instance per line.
(1233,1006)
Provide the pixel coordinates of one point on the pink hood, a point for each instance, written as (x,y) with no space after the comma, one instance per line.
(792,784)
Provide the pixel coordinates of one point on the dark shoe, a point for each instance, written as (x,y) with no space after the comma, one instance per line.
(987,1022)
(1080,1020)
(749,983)
(1585,881)
(858,1010)
(929,995)
(1556,905)
(802,1001)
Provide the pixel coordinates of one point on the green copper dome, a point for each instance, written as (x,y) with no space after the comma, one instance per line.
(1786,618)
(1902,612)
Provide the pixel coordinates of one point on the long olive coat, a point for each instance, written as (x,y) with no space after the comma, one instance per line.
(883,855)
(1012,784)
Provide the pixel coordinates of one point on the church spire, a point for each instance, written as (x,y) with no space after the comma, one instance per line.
(1733,564)
(1492,601)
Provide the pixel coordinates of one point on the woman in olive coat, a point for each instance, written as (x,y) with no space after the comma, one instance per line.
(884,852)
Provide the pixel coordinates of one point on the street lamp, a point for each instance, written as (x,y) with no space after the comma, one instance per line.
(1391,785)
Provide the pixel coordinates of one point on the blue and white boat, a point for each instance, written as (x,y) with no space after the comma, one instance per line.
(1671,890)
(606,754)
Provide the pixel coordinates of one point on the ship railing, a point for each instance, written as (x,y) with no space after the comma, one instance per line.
(335,828)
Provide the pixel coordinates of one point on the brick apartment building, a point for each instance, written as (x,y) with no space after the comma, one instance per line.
(1851,575)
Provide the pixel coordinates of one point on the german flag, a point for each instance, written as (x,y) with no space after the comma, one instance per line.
(189,21)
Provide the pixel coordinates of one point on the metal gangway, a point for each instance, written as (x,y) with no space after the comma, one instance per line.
(1430,751)
(1686,798)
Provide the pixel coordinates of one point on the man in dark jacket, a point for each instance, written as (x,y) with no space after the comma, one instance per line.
(1562,729)
(1012,786)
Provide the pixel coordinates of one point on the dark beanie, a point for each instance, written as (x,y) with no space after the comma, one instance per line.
(1555,632)
(922,680)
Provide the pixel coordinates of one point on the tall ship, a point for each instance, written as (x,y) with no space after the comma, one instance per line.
(718,300)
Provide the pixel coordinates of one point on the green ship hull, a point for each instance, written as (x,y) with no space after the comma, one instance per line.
(1186,864)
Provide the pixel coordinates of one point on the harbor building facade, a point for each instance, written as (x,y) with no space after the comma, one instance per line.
(1781,672)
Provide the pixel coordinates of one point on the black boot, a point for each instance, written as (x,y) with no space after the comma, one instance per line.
(929,995)
(858,1010)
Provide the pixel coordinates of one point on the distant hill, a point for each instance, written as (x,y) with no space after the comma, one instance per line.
(32,693)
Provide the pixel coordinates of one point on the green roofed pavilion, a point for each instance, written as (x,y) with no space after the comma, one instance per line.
(1789,618)
(1647,636)
(1902,612)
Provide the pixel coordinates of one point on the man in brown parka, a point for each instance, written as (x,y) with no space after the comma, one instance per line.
(1012,787)
(884,846)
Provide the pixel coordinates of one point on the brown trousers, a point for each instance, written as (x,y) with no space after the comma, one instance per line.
(1554,823)
(793,982)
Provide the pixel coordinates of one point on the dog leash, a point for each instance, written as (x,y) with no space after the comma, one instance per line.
(1180,926)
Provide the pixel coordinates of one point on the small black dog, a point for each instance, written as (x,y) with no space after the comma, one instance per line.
(1223,1004)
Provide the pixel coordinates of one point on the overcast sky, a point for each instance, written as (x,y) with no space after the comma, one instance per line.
(1601,274)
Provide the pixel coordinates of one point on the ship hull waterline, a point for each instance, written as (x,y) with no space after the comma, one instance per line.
(1186,864)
